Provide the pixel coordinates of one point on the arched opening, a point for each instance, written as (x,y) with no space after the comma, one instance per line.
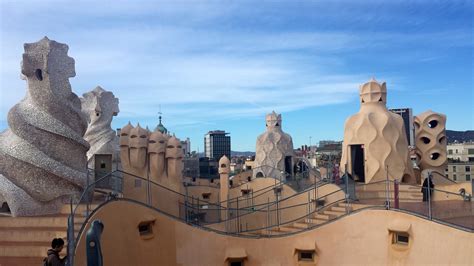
(259,174)
(223,165)
(39,74)
(434,156)
(442,140)
(5,208)
(425,140)
(432,123)
(417,125)
(408,179)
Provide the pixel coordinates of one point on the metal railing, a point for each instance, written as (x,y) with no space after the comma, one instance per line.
(255,215)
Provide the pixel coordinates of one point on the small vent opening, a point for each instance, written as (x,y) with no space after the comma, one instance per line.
(306,255)
(145,228)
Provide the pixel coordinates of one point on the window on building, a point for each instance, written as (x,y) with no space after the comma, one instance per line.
(468,177)
(454,177)
(468,168)
(454,168)
(470,151)
(456,151)
(450,151)
(138,182)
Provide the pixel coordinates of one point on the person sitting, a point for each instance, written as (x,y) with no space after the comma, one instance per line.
(53,254)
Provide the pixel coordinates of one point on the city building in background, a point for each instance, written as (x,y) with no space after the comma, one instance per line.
(462,152)
(191,166)
(249,163)
(460,171)
(208,168)
(407,115)
(217,144)
(460,162)
(186,146)
(328,155)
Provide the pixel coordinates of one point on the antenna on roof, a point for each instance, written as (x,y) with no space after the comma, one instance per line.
(159,112)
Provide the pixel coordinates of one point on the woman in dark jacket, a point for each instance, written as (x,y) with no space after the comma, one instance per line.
(427,183)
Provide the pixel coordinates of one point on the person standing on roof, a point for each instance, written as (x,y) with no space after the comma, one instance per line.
(53,258)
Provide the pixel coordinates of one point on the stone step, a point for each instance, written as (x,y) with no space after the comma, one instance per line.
(340,209)
(285,229)
(38,221)
(315,221)
(81,209)
(334,213)
(253,233)
(409,188)
(79,220)
(321,216)
(20,234)
(383,194)
(353,206)
(26,249)
(379,201)
(23,261)
(77,227)
(301,225)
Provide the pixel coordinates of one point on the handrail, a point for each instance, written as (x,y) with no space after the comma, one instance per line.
(264,205)
(221,207)
(111,174)
(264,189)
(258,208)
(268,205)
(270,188)
(433,189)
(296,219)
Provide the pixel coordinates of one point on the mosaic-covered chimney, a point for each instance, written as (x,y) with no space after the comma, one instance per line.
(42,154)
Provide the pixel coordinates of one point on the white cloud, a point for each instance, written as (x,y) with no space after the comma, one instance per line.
(178,55)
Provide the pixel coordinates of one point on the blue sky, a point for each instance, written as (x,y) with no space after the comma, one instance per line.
(224,64)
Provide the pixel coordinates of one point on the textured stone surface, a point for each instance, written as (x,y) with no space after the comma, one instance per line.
(152,155)
(431,150)
(157,143)
(160,153)
(174,158)
(99,107)
(382,134)
(272,148)
(43,154)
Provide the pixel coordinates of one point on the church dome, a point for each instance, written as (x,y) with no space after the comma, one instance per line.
(161,128)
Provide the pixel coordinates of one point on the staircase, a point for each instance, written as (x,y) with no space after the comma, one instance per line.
(326,215)
(377,194)
(25,240)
